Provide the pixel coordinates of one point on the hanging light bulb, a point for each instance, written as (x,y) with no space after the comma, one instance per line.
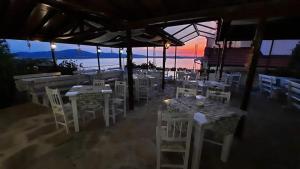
(167,45)
(121,50)
(99,50)
(53,45)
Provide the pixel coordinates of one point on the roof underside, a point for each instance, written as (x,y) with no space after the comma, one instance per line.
(274,29)
(104,22)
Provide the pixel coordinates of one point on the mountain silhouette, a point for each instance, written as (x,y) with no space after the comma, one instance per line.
(77,54)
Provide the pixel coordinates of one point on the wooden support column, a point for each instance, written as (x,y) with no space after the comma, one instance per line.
(253,64)
(52,47)
(120,59)
(53,58)
(147,59)
(208,71)
(98,57)
(223,58)
(164,67)
(250,76)
(218,61)
(175,62)
(129,70)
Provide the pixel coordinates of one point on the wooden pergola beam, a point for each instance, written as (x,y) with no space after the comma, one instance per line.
(180,30)
(164,68)
(209,27)
(245,10)
(196,29)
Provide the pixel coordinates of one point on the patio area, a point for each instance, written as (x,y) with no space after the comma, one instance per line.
(270,139)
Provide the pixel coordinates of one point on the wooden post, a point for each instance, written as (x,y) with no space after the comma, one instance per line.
(175,62)
(164,67)
(218,60)
(120,59)
(53,58)
(207,72)
(129,70)
(223,58)
(98,58)
(53,54)
(147,59)
(270,53)
(253,63)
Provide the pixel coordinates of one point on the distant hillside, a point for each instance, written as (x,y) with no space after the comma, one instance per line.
(75,54)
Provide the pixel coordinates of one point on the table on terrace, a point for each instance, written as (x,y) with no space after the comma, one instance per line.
(213,112)
(75,91)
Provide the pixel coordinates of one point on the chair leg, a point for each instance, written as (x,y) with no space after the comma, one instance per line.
(67,129)
(227,142)
(35,98)
(158,153)
(124,108)
(114,114)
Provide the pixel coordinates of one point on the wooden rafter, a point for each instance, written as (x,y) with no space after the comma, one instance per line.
(209,27)
(181,29)
(196,29)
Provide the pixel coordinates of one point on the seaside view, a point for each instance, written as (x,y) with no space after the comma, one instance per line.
(106,63)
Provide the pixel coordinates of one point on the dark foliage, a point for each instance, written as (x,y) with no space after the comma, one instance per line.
(7,86)
(68,66)
(294,66)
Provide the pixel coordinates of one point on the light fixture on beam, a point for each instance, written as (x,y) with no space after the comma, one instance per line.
(99,50)
(53,45)
(121,50)
(167,45)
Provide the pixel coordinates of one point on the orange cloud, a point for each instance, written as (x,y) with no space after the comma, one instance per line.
(189,48)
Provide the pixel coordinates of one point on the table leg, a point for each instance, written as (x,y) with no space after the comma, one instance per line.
(75,113)
(198,142)
(106,109)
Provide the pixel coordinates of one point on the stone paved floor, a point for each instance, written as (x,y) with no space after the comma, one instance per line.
(29,140)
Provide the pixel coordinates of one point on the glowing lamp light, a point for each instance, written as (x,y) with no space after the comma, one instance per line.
(121,51)
(167,45)
(53,46)
(99,50)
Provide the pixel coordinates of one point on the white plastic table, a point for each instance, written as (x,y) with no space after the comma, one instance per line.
(85,89)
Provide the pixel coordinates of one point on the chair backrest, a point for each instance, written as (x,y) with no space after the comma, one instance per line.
(221,96)
(97,82)
(174,127)
(267,83)
(55,100)
(185,92)
(233,78)
(120,89)
(180,75)
(143,82)
(294,94)
(190,84)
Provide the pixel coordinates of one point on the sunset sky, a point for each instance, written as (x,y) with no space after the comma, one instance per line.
(186,50)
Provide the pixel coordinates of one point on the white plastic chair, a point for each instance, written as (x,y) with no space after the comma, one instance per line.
(223,97)
(97,82)
(119,100)
(184,92)
(233,79)
(62,114)
(173,135)
(143,88)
